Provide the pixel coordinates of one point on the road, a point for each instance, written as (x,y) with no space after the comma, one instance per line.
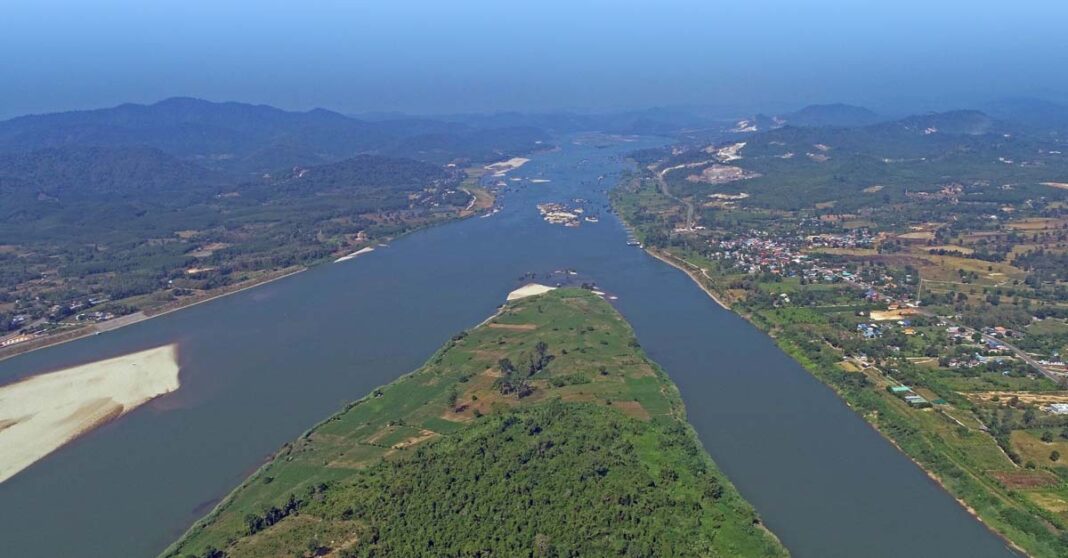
(667,191)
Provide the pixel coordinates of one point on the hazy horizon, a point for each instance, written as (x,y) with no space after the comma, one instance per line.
(481,56)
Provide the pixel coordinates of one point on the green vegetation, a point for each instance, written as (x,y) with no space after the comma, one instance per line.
(151,207)
(924,255)
(94,232)
(543,432)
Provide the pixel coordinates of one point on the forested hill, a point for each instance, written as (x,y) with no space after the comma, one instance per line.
(544,432)
(792,167)
(99,232)
(362,171)
(243,138)
(140,207)
(79,173)
(832,115)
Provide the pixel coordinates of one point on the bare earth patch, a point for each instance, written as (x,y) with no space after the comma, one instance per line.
(632,409)
(1025,479)
(513,327)
(722,174)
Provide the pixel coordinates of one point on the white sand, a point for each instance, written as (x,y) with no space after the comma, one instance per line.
(41,413)
(355,254)
(530,289)
(499,169)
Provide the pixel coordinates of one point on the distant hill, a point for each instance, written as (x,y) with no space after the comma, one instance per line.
(76,192)
(220,135)
(477,144)
(76,172)
(1037,115)
(662,121)
(792,167)
(244,138)
(958,122)
(360,172)
(921,135)
(833,115)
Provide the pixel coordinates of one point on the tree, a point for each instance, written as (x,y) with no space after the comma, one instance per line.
(1047,436)
(1029,416)
(1054,455)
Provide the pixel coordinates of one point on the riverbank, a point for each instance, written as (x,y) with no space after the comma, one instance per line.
(485,200)
(920,436)
(137,317)
(793,351)
(690,270)
(40,414)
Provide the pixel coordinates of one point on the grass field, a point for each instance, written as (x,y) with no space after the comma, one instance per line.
(439,419)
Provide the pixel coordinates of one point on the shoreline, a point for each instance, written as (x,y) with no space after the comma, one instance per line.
(140,316)
(143,315)
(931,475)
(670,260)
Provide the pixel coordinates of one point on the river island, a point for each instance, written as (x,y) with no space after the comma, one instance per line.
(544,431)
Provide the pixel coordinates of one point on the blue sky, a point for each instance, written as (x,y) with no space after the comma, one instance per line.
(446,56)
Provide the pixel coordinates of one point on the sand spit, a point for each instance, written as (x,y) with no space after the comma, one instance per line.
(41,413)
(530,289)
(355,254)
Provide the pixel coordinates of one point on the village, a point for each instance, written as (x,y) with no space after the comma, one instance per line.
(943,340)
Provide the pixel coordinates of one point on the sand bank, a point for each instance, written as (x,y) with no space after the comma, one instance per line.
(502,167)
(529,289)
(41,413)
(355,254)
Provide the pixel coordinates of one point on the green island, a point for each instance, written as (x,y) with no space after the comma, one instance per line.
(916,266)
(544,431)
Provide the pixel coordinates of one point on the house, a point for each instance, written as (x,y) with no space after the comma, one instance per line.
(917,401)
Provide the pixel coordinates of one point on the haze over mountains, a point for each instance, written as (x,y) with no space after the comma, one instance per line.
(190,145)
(241,138)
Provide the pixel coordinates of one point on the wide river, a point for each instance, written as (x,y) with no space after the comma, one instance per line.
(261,366)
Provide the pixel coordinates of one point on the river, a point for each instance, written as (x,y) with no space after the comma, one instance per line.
(261,366)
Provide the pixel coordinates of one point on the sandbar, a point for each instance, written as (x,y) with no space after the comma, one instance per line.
(500,168)
(41,413)
(530,289)
(355,254)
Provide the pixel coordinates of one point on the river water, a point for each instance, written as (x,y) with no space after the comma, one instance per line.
(261,366)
